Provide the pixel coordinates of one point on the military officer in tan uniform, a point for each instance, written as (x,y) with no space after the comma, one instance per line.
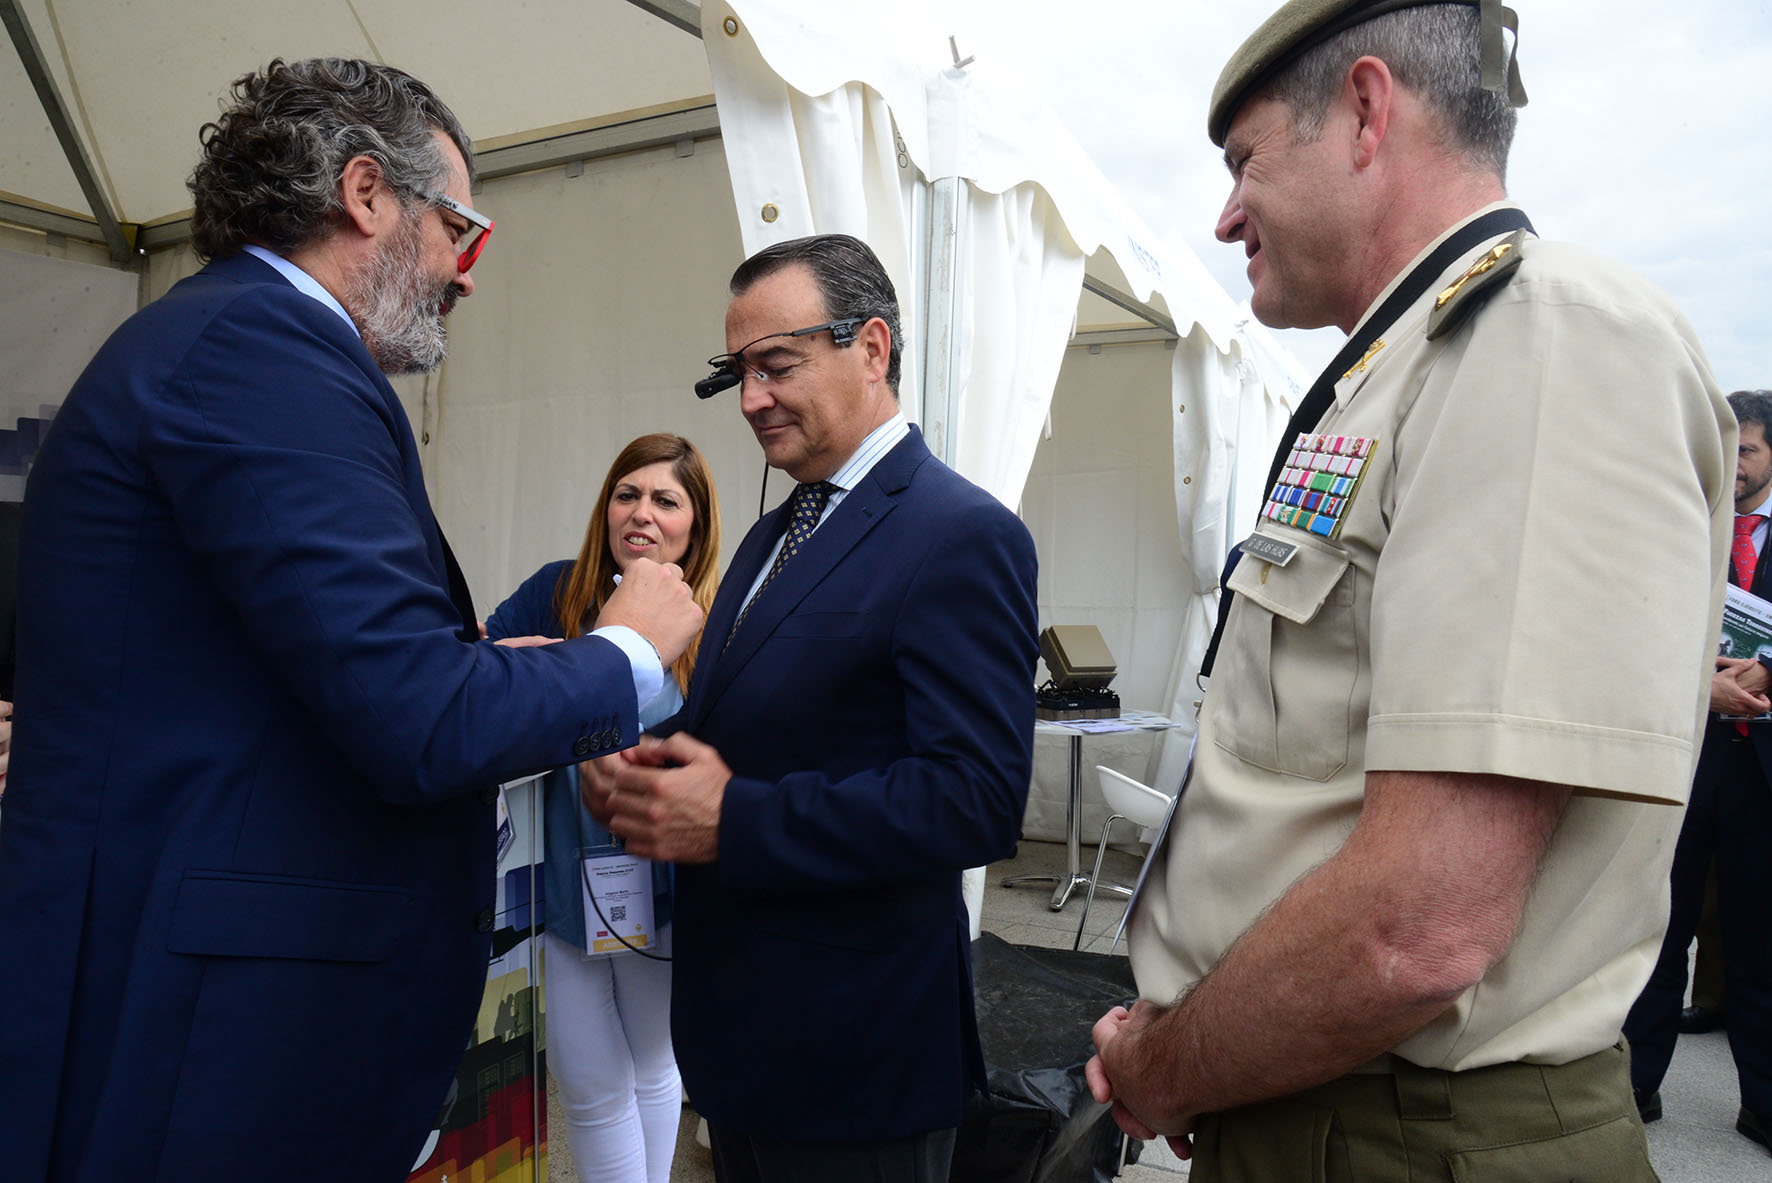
(1419,872)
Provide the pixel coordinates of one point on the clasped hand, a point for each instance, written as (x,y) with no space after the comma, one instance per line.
(1112,1074)
(661,797)
(1739,687)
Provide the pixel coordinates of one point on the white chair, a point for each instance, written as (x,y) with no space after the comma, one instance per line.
(1127,800)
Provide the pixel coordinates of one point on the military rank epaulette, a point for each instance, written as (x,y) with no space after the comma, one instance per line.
(1466,294)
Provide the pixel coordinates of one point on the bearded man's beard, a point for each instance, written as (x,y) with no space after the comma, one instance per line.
(399,306)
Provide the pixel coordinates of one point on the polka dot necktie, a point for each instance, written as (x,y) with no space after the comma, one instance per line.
(808,503)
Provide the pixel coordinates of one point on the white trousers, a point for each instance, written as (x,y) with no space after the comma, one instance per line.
(609,1047)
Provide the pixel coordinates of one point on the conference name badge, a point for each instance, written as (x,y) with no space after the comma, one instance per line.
(1322,474)
(617,891)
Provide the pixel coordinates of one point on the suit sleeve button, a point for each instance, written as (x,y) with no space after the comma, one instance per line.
(483,922)
(581,746)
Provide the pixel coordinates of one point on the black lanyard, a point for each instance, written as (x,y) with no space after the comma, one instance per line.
(1322,392)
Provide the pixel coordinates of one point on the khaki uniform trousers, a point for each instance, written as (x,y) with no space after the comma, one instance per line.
(1509,1123)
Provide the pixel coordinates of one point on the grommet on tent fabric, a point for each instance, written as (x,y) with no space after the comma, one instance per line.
(770,213)
(730,24)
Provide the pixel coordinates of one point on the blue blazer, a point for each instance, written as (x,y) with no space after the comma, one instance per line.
(246,870)
(877,710)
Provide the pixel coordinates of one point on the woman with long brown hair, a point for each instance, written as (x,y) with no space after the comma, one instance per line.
(608,999)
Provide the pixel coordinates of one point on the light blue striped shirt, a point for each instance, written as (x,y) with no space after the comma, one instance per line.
(880,441)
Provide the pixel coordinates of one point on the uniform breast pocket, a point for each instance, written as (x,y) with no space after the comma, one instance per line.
(1289,663)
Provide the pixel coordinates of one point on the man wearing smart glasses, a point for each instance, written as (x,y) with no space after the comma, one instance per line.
(859,730)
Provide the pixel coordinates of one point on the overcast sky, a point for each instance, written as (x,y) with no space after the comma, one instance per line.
(1648,136)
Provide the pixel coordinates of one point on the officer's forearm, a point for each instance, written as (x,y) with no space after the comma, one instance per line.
(1361,953)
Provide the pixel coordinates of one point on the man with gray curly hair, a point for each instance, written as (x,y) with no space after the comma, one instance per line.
(247,870)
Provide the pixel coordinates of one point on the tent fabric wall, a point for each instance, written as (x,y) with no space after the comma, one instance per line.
(1020,302)
(54,314)
(1101,505)
(841,160)
(143,77)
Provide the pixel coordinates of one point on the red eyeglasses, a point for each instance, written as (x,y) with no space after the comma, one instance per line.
(470,244)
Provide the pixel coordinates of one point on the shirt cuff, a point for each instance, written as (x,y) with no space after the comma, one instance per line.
(643,661)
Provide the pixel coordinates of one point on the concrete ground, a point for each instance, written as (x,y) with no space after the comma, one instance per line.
(1695,1142)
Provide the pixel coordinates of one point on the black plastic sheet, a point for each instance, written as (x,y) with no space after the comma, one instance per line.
(1035,1011)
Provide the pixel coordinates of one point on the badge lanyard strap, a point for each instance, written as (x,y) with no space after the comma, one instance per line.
(1322,392)
(578,817)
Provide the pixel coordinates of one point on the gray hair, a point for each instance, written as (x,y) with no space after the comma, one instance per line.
(1753,406)
(850,278)
(271,163)
(1433,49)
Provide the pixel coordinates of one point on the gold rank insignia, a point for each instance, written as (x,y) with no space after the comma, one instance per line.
(1318,483)
(1466,294)
(1365,358)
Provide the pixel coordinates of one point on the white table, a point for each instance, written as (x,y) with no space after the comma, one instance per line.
(1134,734)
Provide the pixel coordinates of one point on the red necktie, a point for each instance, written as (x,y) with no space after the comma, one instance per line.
(1742,552)
(1742,556)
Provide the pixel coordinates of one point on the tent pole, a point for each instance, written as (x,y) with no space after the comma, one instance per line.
(685,14)
(31,54)
(1130,303)
(940,319)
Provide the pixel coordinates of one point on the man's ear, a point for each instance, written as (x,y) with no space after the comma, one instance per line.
(1369,90)
(367,201)
(875,340)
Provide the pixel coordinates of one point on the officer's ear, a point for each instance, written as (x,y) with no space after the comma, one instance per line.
(1368,92)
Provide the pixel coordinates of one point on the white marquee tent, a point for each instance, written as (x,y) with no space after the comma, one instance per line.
(632,152)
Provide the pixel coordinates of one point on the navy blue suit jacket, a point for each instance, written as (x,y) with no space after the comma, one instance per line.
(876,709)
(246,868)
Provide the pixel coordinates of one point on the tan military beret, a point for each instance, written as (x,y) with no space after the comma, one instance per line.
(1300,24)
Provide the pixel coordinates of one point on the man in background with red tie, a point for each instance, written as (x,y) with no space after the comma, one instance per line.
(1728,819)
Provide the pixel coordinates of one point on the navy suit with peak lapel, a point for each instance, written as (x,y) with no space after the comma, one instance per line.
(1728,820)
(876,710)
(246,869)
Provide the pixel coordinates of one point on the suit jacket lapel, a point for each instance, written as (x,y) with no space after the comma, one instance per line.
(737,581)
(861,509)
